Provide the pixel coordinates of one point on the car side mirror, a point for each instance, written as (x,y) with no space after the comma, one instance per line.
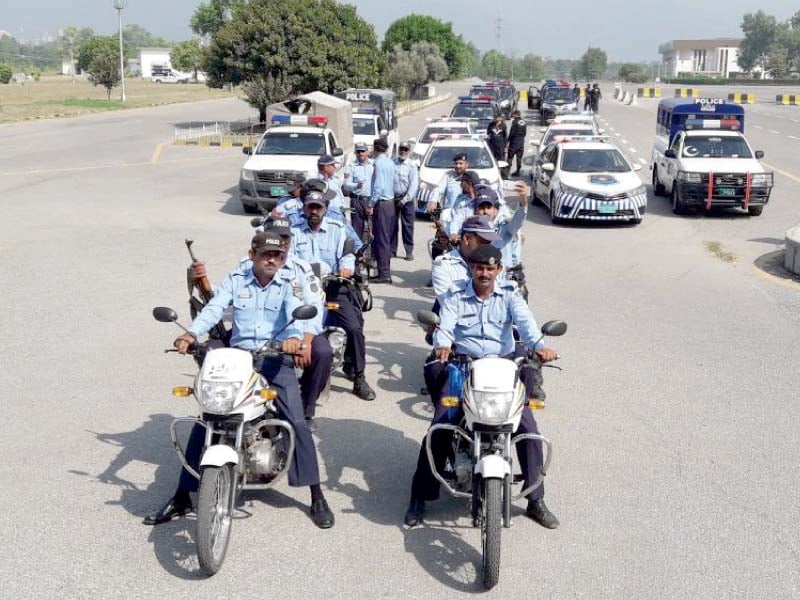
(337,152)
(759,154)
(670,153)
(554,328)
(549,167)
(384,132)
(163,314)
(247,150)
(428,318)
(304,313)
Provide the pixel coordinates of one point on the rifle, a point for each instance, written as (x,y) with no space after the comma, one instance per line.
(203,287)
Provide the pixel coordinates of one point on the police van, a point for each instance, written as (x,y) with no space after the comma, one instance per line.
(374,116)
(701,158)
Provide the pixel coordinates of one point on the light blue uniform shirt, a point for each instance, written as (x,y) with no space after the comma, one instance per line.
(382,179)
(406,180)
(337,204)
(323,246)
(449,273)
(483,328)
(291,208)
(449,189)
(359,173)
(258,312)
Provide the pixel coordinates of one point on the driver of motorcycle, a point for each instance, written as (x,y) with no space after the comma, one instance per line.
(477,321)
(263,300)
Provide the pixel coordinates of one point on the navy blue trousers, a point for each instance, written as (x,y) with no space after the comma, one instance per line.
(350,318)
(384,220)
(405,224)
(359,204)
(316,375)
(305,469)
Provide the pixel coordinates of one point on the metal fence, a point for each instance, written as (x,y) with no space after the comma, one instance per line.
(219,133)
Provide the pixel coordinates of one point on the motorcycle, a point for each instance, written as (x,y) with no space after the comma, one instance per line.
(492,396)
(247,447)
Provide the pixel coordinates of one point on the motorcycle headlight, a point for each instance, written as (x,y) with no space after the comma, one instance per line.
(688,177)
(247,174)
(493,408)
(218,396)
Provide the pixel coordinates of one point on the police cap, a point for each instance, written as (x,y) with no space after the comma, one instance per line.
(279,225)
(266,239)
(459,156)
(485,195)
(485,255)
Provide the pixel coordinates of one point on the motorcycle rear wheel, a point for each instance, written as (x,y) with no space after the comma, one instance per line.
(213,517)
(492,513)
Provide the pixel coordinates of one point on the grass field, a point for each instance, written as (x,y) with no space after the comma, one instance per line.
(60,95)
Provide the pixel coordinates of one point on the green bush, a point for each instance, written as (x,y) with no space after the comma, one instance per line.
(5,73)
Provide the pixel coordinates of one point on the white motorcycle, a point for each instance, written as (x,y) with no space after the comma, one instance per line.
(492,397)
(246,446)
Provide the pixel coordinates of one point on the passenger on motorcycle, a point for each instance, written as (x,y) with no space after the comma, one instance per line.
(477,321)
(263,300)
(290,206)
(319,240)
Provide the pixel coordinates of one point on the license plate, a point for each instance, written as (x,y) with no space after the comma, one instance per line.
(727,192)
(277,190)
(607,208)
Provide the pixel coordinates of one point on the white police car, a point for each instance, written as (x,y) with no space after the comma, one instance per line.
(588,180)
(439,159)
(564,131)
(438,129)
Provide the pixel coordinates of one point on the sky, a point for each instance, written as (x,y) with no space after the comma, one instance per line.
(625,29)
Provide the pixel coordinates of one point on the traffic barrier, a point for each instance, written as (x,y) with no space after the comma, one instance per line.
(687,92)
(414,106)
(633,101)
(523,95)
(787,99)
(627,97)
(648,92)
(617,93)
(738,98)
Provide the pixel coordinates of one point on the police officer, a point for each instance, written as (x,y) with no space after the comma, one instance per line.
(498,137)
(320,240)
(263,302)
(290,206)
(406,185)
(384,217)
(463,204)
(477,321)
(596,95)
(516,140)
(449,188)
(587,98)
(327,173)
(358,184)
(576,94)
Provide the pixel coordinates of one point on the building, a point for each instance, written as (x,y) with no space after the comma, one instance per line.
(153,57)
(710,58)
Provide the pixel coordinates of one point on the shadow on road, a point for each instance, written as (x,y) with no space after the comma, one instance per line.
(231,205)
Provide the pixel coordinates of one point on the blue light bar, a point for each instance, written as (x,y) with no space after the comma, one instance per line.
(281,119)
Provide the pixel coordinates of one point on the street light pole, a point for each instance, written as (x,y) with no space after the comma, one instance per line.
(119,5)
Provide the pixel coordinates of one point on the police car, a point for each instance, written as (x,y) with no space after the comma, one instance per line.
(438,129)
(557,99)
(439,159)
(588,179)
(564,131)
(481,109)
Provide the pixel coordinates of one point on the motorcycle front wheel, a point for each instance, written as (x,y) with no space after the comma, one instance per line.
(492,513)
(213,517)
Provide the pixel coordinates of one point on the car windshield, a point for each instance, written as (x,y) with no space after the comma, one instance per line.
(364,126)
(430,134)
(441,157)
(553,133)
(283,142)
(559,95)
(473,111)
(715,147)
(484,91)
(600,160)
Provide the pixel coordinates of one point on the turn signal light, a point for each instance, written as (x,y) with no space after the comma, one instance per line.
(449,401)
(269,394)
(182,391)
(535,404)
(332,305)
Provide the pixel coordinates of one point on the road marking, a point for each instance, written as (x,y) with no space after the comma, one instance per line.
(795,121)
(643,160)
(611,129)
(793,137)
(773,131)
(758,126)
(157,153)
(633,150)
(624,141)
(784,173)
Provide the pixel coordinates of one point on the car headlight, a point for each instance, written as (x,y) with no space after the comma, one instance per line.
(688,177)
(639,191)
(493,408)
(565,189)
(247,174)
(219,396)
(761,179)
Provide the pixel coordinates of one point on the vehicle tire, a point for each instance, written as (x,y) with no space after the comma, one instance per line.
(658,187)
(635,221)
(158,81)
(213,519)
(677,206)
(491,523)
(755,211)
(555,220)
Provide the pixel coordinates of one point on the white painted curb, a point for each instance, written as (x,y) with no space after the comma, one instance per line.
(792,258)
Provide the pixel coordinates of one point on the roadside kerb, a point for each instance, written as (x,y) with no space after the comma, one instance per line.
(648,92)
(787,99)
(792,257)
(420,104)
(738,98)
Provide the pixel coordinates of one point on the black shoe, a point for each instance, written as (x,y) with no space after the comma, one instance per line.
(312,424)
(394,254)
(416,509)
(321,514)
(538,511)
(409,256)
(361,388)
(176,506)
(430,283)
(381,280)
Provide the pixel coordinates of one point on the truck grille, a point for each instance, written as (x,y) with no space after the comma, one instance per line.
(614,198)
(275,176)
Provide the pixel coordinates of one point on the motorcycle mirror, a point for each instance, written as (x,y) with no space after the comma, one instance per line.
(554,328)
(304,313)
(257,222)
(428,318)
(162,314)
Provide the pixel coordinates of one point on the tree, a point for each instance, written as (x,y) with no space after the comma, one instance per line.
(96,46)
(408,70)
(592,64)
(293,45)
(495,65)
(135,36)
(632,73)
(188,56)
(531,67)
(422,28)
(104,70)
(210,16)
(70,42)
(5,73)
(759,30)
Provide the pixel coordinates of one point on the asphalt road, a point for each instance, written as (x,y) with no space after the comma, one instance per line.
(674,420)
